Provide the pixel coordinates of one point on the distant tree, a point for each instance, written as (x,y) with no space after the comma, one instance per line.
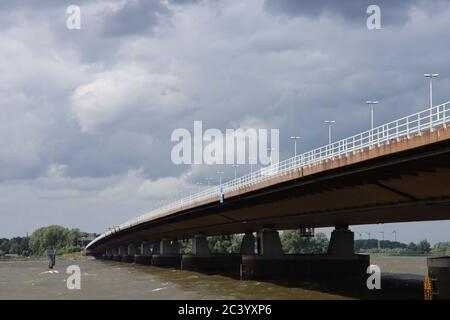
(219,244)
(14,248)
(62,239)
(186,246)
(423,246)
(4,245)
(294,243)
(441,249)
(412,247)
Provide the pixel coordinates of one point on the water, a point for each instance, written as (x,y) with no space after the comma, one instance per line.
(114,280)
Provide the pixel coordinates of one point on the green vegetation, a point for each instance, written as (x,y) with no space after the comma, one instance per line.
(441,249)
(293,242)
(394,248)
(229,244)
(64,240)
(16,245)
(217,244)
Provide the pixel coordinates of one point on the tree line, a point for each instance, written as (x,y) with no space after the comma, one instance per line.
(64,240)
(387,247)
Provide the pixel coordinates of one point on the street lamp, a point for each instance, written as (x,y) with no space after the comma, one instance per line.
(235,166)
(208,179)
(431,76)
(270,150)
(220,173)
(330,124)
(372,105)
(251,163)
(395,235)
(295,138)
(199,185)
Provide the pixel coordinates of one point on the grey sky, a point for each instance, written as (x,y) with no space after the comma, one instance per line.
(87,115)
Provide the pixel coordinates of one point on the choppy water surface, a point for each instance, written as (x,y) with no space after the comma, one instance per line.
(113,280)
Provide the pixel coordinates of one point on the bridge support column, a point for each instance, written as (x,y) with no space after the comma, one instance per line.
(248,244)
(120,253)
(168,254)
(169,248)
(155,248)
(341,242)
(115,254)
(109,255)
(200,245)
(131,251)
(145,256)
(269,243)
(201,258)
(271,262)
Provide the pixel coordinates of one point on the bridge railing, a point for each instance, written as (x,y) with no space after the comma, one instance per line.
(426,120)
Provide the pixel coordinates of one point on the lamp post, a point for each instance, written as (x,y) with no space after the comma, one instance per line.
(295,138)
(431,76)
(220,173)
(270,150)
(250,161)
(208,179)
(235,166)
(372,105)
(330,124)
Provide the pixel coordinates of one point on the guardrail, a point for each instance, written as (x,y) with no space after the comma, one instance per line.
(416,123)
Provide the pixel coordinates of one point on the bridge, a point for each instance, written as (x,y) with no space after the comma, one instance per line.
(396,172)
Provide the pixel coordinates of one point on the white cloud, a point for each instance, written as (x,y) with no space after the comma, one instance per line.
(123,92)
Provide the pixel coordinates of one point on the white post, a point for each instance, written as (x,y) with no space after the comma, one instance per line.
(431,76)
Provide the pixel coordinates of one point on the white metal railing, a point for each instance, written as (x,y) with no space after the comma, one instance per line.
(416,123)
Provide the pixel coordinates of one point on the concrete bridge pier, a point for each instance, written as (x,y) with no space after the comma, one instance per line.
(201,258)
(341,242)
(168,255)
(269,243)
(145,255)
(248,244)
(116,254)
(155,248)
(129,256)
(108,254)
(272,262)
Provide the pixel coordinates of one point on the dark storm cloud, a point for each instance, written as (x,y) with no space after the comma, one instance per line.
(93,110)
(134,18)
(183,1)
(393,11)
(39,4)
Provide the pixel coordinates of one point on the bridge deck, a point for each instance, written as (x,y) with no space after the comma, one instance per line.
(396,181)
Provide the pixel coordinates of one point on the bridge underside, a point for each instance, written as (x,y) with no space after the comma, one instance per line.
(391,183)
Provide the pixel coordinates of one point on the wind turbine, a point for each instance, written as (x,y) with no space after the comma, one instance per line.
(395,235)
